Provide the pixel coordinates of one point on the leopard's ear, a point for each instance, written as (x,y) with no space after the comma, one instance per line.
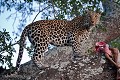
(87,12)
(98,11)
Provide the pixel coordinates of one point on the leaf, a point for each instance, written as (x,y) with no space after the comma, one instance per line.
(6,47)
(99,26)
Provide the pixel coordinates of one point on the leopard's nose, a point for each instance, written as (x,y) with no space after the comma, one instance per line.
(92,22)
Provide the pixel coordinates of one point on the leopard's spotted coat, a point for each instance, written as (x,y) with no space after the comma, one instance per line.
(57,32)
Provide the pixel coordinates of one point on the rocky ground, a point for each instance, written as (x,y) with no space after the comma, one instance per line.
(62,66)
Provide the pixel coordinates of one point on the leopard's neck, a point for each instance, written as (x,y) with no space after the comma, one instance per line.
(80,23)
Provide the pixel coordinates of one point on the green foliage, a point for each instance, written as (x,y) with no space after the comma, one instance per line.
(30,50)
(115,43)
(49,9)
(101,27)
(6,48)
(58,8)
(117,1)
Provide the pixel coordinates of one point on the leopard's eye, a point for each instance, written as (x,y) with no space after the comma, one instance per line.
(95,15)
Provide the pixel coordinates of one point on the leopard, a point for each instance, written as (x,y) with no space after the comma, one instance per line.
(58,33)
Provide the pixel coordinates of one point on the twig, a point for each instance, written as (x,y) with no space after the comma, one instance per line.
(14,21)
(39,12)
(53,7)
(10,15)
(15,43)
(15,13)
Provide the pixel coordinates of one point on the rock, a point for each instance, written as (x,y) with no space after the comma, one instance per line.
(63,67)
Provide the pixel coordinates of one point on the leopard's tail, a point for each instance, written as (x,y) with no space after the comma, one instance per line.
(21,48)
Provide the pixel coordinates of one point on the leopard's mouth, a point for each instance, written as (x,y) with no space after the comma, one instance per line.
(92,23)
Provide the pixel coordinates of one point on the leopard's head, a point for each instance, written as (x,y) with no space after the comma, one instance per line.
(94,17)
(91,19)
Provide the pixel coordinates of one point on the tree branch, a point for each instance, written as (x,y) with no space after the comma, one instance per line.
(40,12)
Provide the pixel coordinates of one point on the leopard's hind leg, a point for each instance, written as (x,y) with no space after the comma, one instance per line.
(38,56)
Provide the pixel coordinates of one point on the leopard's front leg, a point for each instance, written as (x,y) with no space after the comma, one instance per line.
(76,48)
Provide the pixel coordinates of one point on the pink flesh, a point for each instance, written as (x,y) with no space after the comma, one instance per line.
(104,49)
(107,50)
